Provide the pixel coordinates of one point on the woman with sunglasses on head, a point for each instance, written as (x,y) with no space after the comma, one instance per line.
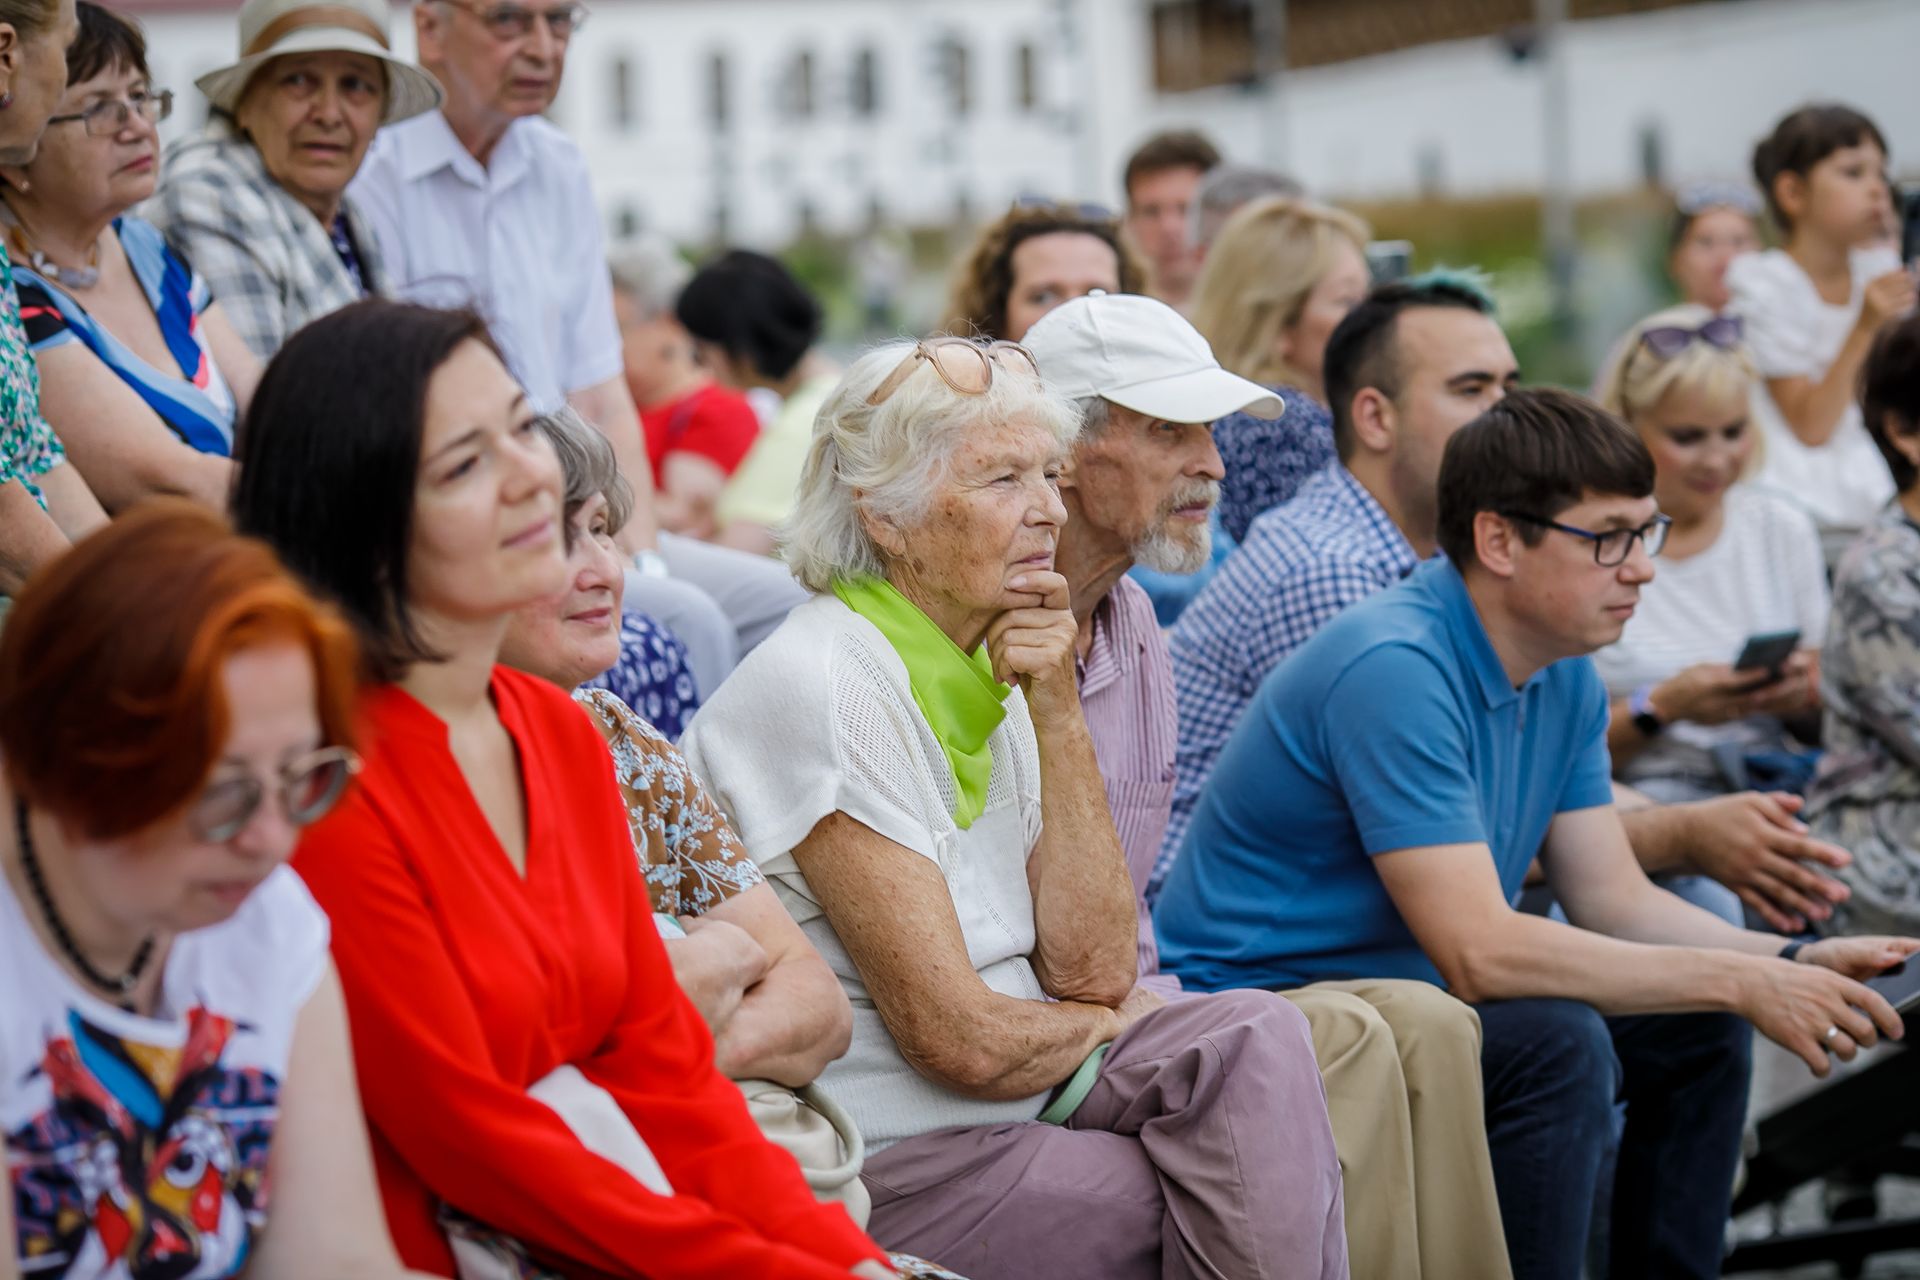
(906,759)
(530,1070)
(1713,223)
(176,1091)
(140,373)
(1738,562)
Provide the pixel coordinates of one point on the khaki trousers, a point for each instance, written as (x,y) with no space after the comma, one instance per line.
(1401,1063)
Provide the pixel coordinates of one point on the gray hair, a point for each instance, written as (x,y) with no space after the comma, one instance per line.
(1095,413)
(652,273)
(885,461)
(1225,188)
(588,465)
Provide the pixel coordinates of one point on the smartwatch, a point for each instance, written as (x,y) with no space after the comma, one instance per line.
(1645,718)
(1792,950)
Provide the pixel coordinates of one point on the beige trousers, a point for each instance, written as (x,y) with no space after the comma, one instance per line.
(1401,1064)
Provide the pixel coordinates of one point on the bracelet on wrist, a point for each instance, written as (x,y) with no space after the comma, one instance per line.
(1792,950)
(1640,706)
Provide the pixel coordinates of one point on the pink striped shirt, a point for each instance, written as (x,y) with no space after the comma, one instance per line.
(1126,693)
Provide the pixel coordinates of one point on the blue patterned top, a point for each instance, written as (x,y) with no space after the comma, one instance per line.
(651,676)
(28,447)
(1268,459)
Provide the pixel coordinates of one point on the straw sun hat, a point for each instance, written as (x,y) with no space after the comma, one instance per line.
(271,28)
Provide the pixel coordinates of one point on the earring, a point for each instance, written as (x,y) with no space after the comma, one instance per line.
(6,100)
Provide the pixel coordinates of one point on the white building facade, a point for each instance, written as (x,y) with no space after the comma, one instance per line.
(751,120)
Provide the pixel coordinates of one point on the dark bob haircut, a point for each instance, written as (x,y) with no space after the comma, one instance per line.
(1802,140)
(752,308)
(329,451)
(106,41)
(1363,352)
(1539,450)
(1890,395)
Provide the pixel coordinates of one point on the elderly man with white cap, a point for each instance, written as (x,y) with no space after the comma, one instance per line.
(1400,1060)
(258,201)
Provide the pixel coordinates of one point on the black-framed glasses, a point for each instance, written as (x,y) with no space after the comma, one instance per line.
(1723,333)
(1611,547)
(104,119)
(515,22)
(308,788)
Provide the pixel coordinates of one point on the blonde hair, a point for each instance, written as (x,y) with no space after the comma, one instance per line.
(1263,265)
(1635,379)
(887,460)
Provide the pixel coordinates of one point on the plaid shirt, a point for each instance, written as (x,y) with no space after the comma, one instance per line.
(270,262)
(1331,546)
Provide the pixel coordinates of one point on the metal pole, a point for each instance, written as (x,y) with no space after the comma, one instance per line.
(1270,66)
(1558,238)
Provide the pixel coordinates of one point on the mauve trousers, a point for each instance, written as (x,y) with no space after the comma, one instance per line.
(1203,1151)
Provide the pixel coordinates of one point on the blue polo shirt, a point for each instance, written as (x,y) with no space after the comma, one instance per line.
(1395,727)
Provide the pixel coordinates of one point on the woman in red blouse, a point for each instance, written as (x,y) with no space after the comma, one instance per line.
(490,923)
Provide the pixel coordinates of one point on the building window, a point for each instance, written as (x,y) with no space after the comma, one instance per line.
(719,93)
(1198,44)
(628,224)
(1653,155)
(955,65)
(864,92)
(799,86)
(626,111)
(1026,77)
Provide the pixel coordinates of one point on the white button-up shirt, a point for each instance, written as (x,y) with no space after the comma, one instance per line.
(518,240)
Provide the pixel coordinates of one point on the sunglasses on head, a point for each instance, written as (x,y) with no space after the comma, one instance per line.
(1080,209)
(1722,333)
(1696,198)
(964,364)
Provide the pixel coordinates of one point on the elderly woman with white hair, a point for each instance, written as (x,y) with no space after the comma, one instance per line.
(906,760)
(1738,562)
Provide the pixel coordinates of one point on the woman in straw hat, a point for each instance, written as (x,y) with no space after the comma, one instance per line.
(258,202)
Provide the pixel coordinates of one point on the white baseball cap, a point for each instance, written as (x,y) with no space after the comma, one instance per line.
(1142,355)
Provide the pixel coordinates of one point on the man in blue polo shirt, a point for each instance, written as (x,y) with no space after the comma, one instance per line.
(1376,809)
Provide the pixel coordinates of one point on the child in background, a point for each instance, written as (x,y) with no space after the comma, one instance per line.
(1812,308)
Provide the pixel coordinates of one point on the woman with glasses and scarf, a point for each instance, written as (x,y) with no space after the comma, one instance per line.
(174,707)
(1738,562)
(907,760)
(140,373)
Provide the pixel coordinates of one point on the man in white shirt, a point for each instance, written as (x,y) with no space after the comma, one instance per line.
(486,204)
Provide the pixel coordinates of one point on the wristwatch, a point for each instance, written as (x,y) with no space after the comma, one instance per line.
(1792,949)
(1645,718)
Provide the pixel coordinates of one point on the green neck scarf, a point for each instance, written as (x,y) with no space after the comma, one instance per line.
(956,693)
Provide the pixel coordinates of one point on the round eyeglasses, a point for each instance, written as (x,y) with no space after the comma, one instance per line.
(1611,547)
(965,364)
(308,788)
(104,119)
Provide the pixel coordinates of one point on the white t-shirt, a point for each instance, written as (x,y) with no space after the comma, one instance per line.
(138,1146)
(519,240)
(1793,332)
(820,718)
(1763,573)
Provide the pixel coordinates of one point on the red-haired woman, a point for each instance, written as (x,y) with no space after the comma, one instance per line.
(173,708)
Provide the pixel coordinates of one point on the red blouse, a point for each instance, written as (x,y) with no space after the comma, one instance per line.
(466,983)
(712,421)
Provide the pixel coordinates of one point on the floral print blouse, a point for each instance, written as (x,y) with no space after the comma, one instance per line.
(28,447)
(1866,796)
(692,860)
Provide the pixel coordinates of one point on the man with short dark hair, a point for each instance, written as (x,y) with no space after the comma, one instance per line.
(1378,807)
(1160,181)
(1403,371)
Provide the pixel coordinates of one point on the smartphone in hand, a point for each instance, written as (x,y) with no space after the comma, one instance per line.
(1767,652)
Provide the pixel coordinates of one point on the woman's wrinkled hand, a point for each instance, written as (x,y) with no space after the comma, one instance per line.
(1034,646)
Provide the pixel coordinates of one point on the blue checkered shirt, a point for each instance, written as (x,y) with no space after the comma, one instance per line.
(1329,546)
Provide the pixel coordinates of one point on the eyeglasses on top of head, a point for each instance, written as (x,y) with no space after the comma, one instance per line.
(308,788)
(965,364)
(104,119)
(515,22)
(1611,547)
